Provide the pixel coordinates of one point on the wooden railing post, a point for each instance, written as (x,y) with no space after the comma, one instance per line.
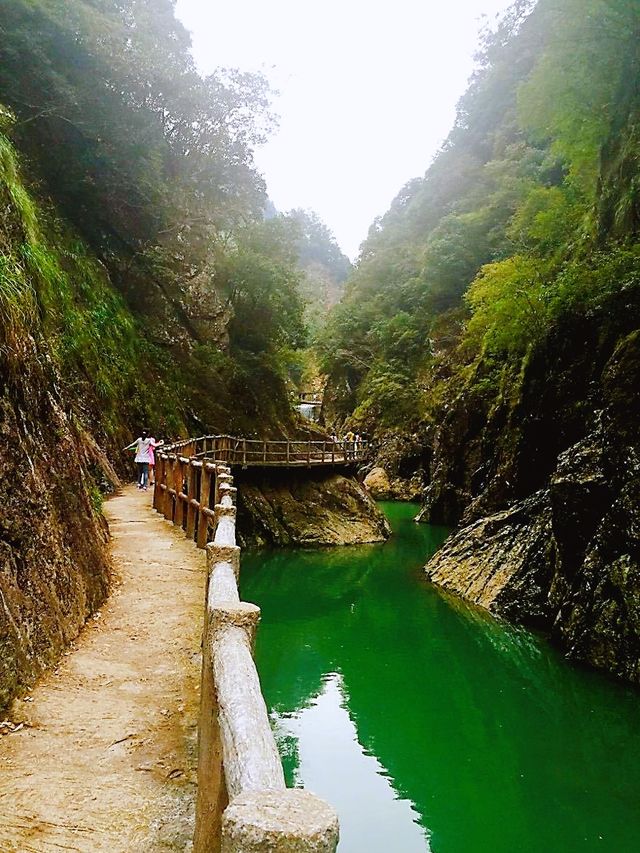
(177,485)
(169,504)
(264,451)
(205,491)
(191,496)
(158,491)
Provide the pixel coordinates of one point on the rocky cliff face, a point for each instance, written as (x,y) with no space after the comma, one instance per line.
(53,567)
(547,489)
(400,465)
(306,508)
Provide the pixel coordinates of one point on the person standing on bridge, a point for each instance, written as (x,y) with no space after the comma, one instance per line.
(348,442)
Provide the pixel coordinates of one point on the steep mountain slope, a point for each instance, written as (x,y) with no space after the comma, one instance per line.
(139,286)
(489,333)
(53,569)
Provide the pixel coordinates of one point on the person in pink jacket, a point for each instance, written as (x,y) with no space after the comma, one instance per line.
(152,459)
(144,446)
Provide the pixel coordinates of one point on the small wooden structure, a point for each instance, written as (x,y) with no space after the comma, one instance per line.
(312,397)
(185,475)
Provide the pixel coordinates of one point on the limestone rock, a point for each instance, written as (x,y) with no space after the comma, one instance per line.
(378,484)
(550,516)
(504,562)
(566,560)
(310,508)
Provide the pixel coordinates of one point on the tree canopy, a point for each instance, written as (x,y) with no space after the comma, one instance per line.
(153,166)
(473,261)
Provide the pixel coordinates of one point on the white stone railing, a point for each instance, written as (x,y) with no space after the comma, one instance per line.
(243,805)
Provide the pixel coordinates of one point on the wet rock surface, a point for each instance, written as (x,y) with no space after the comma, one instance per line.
(309,508)
(550,516)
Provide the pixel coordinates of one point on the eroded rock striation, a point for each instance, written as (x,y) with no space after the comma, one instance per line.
(548,494)
(54,570)
(304,508)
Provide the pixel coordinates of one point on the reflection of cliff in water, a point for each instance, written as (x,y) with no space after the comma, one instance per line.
(497,742)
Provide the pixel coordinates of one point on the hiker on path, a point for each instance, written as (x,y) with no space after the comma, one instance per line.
(348,441)
(152,459)
(144,446)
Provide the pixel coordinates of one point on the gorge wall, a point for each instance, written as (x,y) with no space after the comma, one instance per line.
(546,491)
(54,570)
(488,337)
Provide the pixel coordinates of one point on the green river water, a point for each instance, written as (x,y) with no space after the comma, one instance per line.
(431,726)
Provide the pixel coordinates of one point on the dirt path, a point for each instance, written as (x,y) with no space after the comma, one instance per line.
(106,759)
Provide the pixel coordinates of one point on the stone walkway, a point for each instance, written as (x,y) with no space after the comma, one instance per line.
(106,758)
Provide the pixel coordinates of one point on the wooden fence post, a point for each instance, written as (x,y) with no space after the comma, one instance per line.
(169,498)
(177,485)
(191,496)
(158,491)
(205,491)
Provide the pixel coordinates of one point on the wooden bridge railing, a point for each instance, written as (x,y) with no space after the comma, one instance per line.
(243,805)
(185,484)
(310,397)
(268,452)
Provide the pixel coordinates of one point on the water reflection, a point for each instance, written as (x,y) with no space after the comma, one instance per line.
(329,760)
(477,729)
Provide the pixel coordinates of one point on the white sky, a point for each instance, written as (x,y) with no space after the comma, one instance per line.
(367,92)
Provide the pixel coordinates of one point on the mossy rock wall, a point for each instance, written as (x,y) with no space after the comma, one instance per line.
(54,570)
(551,538)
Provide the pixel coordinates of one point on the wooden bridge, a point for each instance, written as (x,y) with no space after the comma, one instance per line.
(310,398)
(186,485)
(268,452)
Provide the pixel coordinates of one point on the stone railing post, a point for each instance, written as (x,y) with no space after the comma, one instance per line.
(289,821)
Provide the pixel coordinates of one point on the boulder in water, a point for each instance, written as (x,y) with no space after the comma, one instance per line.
(378,484)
